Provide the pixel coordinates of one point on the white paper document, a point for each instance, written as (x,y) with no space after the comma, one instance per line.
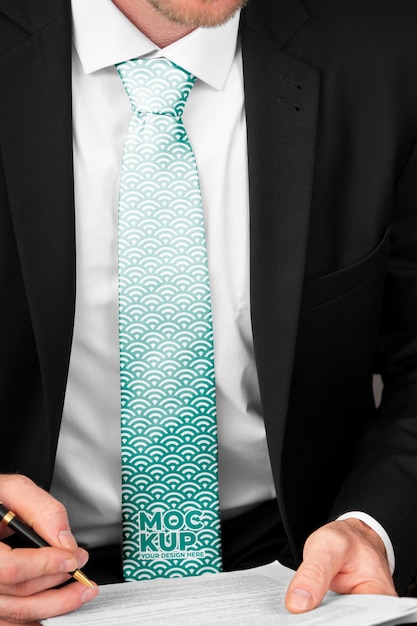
(246,598)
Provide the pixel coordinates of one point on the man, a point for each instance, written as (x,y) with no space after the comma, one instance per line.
(330,112)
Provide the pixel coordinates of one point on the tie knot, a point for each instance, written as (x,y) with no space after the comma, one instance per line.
(156,85)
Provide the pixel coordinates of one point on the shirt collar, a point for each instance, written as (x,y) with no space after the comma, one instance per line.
(104,36)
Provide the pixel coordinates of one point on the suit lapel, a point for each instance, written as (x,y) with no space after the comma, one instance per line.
(32,16)
(35,124)
(281,108)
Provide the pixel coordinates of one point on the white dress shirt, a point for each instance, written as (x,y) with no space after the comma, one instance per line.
(87,474)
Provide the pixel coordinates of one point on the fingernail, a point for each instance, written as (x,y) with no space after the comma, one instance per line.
(300,600)
(70,565)
(89,594)
(82,558)
(67,539)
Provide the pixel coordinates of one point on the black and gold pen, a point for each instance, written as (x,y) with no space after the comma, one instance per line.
(10,519)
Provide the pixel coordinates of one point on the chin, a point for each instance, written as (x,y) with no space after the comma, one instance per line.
(198,12)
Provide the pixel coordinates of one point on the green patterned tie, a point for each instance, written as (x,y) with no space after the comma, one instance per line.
(171,524)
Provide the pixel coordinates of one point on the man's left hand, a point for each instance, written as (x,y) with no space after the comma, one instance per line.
(345,556)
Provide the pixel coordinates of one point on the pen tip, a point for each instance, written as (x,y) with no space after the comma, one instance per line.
(82,578)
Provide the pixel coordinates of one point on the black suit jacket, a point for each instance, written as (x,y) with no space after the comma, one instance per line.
(331,103)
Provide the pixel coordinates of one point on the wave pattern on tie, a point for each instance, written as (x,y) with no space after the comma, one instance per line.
(170,503)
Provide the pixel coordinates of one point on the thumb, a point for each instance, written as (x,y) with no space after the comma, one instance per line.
(323,558)
(307,588)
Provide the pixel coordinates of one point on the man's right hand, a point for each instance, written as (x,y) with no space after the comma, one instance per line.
(28,575)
